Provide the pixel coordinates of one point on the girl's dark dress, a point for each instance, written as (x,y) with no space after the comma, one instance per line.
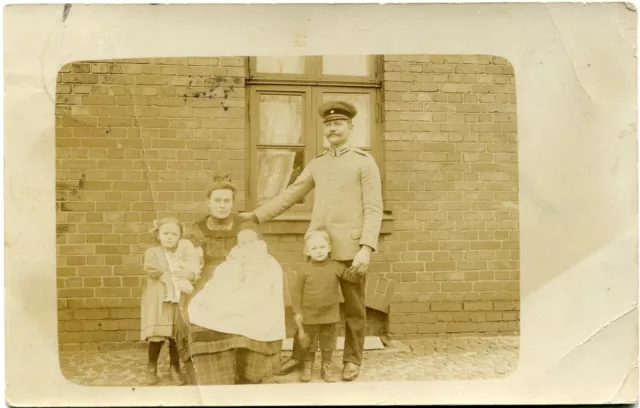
(211,357)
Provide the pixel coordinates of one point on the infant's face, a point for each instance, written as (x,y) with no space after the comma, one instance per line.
(246,238)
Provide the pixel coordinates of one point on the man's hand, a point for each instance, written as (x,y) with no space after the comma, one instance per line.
(248,216)
(297,318)
(361,261)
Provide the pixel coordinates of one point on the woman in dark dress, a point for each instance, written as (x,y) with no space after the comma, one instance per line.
(211,357)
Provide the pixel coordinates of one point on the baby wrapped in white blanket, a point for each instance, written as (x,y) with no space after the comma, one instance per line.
(245,295)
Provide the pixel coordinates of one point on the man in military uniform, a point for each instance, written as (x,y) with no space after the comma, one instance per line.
(348,203)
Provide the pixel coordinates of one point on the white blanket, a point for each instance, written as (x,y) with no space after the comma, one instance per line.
(245,297)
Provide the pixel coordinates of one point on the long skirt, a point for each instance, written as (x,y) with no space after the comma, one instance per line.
(214,358)
(235,366)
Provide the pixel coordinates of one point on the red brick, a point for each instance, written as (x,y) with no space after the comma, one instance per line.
(113,292)
(440,266)
(76,260)
(93,270)
(130,302)
(431,328)
(478,306)
(111,302)
(92,282)
(446,306)
(90,314)
(75,337)
(461,327)
(107,336)
(130,281)
(403,328)
(510,316)
(408,267)
(124,313)
(128,324)
(127,270)
(109,325)
(75,292)
(502,265)
(494,316)
(506,306)
(456,287)
(111,282)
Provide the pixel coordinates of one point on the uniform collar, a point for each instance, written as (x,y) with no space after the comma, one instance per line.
(340,151)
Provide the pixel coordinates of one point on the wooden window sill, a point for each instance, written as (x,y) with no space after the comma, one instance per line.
(297,222)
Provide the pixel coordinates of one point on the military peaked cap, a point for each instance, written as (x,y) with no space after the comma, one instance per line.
(336,110)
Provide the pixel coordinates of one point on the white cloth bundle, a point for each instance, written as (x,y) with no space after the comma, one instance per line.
(245,296)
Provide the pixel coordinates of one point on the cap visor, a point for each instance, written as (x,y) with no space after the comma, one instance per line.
(330,118)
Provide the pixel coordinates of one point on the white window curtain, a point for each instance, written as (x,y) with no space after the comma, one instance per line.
(280,124)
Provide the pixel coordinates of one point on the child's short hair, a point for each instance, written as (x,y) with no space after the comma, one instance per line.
(317,231)
(165,220)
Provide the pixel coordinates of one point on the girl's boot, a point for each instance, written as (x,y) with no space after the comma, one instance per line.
(152,373)
(306,371)
(152,365)
(176,375)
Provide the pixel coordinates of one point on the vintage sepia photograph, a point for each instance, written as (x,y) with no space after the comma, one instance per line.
(271,220)
(322,204)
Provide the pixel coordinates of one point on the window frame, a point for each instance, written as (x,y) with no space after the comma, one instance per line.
(254,135)
(309,67)
(312,84)
(312,74)
(372,78)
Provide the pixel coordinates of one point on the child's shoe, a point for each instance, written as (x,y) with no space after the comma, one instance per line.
(326,373)
(152,374)
(306,371)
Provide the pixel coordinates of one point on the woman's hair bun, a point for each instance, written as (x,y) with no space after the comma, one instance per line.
(222,177)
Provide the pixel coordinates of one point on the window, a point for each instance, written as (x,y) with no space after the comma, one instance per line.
(285,128)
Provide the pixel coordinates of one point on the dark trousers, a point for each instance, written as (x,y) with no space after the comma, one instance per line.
(154,353)
(322,337)
(355,316)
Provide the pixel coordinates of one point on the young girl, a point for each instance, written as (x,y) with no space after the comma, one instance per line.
(185,257)
(316,303)
(157,315)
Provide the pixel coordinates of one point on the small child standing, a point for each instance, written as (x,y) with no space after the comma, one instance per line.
(161,264)
(316,303)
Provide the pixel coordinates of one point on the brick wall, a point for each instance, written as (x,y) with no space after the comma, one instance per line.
(139,139)
(136,140)
(452,183)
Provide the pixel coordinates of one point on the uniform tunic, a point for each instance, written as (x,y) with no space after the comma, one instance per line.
(348,199)
(318,292)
